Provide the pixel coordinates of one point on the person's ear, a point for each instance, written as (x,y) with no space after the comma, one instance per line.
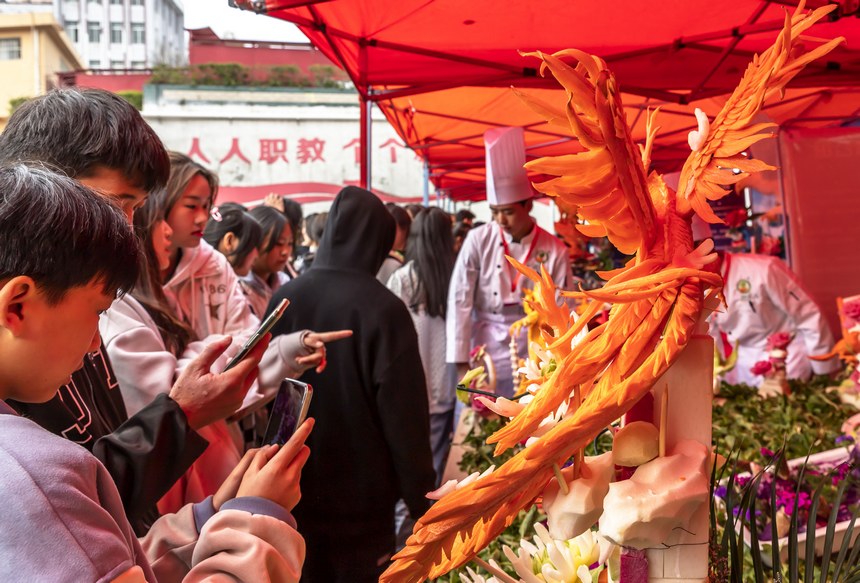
(229,244)
(16,297)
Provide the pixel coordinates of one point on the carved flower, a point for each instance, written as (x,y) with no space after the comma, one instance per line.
(762,368)
(779,341)
(852,310)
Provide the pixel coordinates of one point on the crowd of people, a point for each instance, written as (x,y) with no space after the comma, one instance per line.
(125,289)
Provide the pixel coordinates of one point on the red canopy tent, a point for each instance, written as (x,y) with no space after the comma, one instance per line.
(441,70)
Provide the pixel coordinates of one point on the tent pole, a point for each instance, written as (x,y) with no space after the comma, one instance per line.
(426,184)
(365,118)
(364,139)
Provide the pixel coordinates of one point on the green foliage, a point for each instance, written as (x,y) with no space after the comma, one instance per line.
(221,74)
(133,97)
(167,75)
(287,76)
(324,76)
(237,75)
(732,560)
(810,419)
(17,102)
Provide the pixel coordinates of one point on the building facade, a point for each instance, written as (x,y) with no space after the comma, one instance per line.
(302,143)
(124,34)
(33,50)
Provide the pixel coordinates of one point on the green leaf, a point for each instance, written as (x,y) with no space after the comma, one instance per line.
(846,544)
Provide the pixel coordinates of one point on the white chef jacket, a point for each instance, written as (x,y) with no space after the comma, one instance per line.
(481,303)
(764,297)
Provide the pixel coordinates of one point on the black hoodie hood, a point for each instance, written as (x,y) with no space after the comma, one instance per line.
(358,234)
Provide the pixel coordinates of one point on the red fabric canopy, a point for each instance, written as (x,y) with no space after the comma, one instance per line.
(441,70)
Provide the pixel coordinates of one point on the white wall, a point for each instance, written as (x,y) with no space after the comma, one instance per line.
(215,116)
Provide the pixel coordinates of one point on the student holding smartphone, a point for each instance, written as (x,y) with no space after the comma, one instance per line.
(148,346)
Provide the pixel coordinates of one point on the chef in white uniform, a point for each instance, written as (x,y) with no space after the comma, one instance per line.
(764,297)
(486,292)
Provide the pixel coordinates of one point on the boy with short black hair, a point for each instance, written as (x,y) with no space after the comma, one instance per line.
(64,255)
(99,139)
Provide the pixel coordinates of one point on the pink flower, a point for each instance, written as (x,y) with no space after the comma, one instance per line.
(761,368)
(779,341)
(479,407)
(852,310)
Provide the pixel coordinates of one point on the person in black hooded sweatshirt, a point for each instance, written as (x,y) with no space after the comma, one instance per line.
(371,440)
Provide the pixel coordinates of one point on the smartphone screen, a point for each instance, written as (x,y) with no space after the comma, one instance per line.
(288,411)
(255,338)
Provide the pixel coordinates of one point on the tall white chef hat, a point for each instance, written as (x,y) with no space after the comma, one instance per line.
(507,181)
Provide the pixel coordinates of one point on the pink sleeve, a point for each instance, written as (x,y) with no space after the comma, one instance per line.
(169,543)
(238,546)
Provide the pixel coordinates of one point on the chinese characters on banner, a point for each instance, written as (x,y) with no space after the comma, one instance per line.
(281,150)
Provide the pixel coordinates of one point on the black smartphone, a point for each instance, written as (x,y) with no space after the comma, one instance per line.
(255,338)
(288,411)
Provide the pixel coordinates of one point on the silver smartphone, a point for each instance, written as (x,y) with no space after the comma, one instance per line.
(255,338)
(289,410)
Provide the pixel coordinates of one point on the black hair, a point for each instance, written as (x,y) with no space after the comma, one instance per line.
(182,171)
(293,212)
(235,219)
(148,289)
(272,221)
(460,230)
(401,217)
(431,249)
(79,130)
(414,209)
(62,234)
(464,214)
(315,226)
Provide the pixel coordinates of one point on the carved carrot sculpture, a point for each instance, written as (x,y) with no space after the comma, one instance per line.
(657,298)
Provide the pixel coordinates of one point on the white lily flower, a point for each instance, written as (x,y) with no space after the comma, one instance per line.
(530,370)
(544,560)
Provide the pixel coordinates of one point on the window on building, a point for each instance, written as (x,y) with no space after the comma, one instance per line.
(95,64)
(94,32)
(72,31)
(117,65)
(116,33)
(116,2)
(138,65)
(138,33)
(137,2)
(10,49)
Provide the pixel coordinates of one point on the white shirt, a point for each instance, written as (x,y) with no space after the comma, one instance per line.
(482,278)
(764,297)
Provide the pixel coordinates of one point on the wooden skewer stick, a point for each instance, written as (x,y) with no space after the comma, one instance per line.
(561,483)
(664,420)
(497,573)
